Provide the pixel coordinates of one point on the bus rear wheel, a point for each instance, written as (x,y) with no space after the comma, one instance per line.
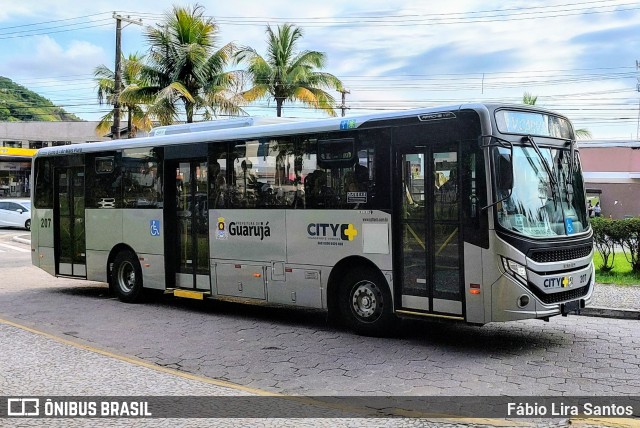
(126,277)
(365,303)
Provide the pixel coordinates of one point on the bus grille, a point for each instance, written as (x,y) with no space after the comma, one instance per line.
(562,296)
(548,256)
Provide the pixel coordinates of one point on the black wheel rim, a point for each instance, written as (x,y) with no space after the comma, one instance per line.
(126,276)
(366,301)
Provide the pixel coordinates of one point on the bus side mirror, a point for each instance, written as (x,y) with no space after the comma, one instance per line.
(505,173)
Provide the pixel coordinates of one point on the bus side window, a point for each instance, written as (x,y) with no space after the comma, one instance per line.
(218,183)
(104,172)
(141,178)
(43,197)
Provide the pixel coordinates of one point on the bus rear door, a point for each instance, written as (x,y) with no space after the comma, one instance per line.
(69,221)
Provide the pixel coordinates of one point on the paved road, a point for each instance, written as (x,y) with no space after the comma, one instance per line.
(295,352)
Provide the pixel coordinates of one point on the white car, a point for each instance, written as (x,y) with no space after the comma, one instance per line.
(15,212)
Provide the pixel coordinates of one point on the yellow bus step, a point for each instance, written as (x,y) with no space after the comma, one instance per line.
(190,294)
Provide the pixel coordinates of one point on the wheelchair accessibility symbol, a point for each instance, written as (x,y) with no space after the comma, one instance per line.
(154,226)
(569,224)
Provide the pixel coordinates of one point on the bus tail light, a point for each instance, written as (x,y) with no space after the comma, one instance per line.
(474,288)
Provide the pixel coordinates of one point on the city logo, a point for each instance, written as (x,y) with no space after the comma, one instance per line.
(221,233)
(250,229)
(345,232)
(561,282)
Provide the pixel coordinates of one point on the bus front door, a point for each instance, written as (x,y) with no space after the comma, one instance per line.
(69,222)
(430,247)
(192,225)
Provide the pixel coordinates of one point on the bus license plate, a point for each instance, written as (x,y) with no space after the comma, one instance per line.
(571,307)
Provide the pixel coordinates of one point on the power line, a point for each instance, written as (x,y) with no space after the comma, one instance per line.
(50,22)
(416,15)
(534,12)
(53,32)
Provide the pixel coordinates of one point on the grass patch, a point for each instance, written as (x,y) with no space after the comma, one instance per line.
(621,273)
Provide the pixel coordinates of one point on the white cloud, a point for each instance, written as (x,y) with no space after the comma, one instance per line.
(45,57)
(505,50)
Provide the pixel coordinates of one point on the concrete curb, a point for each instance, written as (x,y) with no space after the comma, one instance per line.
(627,314)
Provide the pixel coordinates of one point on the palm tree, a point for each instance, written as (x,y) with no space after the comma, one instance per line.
(582,134)
(529,99)
(185,70)
(287,75)
(105,81)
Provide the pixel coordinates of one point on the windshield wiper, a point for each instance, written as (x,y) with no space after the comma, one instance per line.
(544,162)
(572,162)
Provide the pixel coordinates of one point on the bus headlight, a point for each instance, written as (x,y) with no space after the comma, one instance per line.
(515,269)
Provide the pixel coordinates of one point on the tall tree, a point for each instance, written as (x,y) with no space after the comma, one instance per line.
(185,69)
(288,75)
(105,82)
(529,99)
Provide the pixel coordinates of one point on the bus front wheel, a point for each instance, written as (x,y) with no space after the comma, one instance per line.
(365,303)
(126,277)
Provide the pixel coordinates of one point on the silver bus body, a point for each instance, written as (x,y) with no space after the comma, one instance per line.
(298,256)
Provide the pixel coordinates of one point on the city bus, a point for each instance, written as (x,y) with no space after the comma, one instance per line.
(473,212)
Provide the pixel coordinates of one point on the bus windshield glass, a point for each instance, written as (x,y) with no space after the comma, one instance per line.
(540,204)
(533,123)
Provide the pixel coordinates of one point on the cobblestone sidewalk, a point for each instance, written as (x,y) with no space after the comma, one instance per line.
(617,296)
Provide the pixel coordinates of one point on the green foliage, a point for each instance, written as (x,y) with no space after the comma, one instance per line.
(137,117)
(288,75)
(185,68)
(605,244)
(18,104)
(529,99)
(620,274)
(607,233)
(628,236)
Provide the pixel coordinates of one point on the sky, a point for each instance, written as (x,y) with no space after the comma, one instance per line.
(578,57)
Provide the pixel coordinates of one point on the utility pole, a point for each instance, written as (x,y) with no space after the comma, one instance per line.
(343,106)
(115,129)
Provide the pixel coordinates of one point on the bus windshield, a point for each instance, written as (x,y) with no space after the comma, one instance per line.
(543,202)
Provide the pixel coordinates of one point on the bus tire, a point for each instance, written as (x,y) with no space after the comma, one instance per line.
(365,303)
(126,277)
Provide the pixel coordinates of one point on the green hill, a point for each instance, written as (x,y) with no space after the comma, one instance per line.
(18,104)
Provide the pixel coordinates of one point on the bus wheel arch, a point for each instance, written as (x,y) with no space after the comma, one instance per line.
(359,295)
(124,274)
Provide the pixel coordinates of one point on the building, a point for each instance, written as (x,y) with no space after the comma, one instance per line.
(36,135)
(612,176)
(18,141)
